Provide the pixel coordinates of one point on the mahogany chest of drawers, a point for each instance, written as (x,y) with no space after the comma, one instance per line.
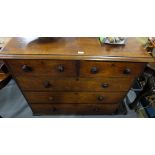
(74,75)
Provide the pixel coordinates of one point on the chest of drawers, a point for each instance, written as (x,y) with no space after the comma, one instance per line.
(74,75)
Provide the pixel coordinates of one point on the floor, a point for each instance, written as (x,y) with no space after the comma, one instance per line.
(13,105)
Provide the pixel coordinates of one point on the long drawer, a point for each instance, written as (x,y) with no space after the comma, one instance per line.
(71,84)
(70,109)
(74,97)
(110,69)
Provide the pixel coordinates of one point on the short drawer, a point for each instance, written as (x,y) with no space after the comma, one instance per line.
(71,84)
(110,69)
(55,68)
(74,97)
(72,109)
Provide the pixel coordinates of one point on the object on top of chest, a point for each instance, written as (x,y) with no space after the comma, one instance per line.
(113,40)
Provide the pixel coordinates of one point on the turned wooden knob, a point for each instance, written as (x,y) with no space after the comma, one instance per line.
(61,68)
(100,98)
(96,109)
(47,84)
(50,98)
(94,70)
(105,85)
(127,71)
(54,109)
(26,68)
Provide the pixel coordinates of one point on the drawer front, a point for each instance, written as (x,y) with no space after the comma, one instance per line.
(55,68)
(74,97)
(110,69)
(71,84)
(83,109)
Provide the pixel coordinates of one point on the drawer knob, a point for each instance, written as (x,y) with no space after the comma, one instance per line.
(94,70)
(96,109)
(54,109)
(47,84)
(51,98)
(61,68)
(100,98)
(127,71)
(105,85)
(26,68)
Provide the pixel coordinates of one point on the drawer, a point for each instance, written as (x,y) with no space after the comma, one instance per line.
(71,84)
(110,69)
(74,97)
(70,109)
(55,68)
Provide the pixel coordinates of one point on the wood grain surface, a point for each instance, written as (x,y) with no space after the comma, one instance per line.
(71,84)
(110,69)
(74,97)
(73,109)
(74,48)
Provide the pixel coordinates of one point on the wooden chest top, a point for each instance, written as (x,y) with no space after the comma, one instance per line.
(75,48)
